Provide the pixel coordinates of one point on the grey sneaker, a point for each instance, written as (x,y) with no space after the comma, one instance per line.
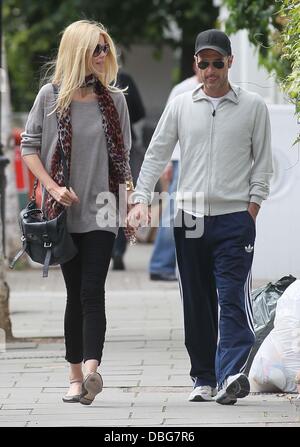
(204,393)
(235,387)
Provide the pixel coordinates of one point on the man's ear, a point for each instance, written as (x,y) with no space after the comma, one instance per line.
(230,60)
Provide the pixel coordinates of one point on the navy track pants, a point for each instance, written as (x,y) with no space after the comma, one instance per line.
(215,270)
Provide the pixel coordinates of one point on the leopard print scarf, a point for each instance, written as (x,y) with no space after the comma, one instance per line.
(119,169)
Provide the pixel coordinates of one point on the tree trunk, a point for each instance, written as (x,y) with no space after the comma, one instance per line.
(12,208)
(5,323)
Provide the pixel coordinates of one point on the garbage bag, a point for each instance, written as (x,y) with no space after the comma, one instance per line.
(267,373)
(277,362)
(264,302)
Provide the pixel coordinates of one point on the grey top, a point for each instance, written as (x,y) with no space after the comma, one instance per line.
(89,159)
(225,156)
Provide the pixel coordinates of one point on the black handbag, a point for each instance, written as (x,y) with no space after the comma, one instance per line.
(46,242)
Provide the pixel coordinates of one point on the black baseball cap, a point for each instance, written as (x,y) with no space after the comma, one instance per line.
(213,39)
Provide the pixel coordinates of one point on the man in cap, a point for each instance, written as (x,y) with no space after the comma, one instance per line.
(224,137)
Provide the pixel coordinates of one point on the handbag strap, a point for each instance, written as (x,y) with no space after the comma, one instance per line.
(62,155)
(47,263)
(19,254)
(23,250)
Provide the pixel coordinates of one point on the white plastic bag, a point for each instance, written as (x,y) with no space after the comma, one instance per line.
(277,362)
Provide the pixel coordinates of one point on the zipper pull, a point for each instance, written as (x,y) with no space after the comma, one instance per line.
(214,112)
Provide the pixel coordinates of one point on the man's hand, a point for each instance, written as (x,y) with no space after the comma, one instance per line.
(253,210)
(138,216)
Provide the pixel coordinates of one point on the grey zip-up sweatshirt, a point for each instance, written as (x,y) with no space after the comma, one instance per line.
(225,155)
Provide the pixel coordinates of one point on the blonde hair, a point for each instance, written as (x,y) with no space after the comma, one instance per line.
(74,58)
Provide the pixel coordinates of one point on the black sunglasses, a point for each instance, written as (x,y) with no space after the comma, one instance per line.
(99,48)
(217,64)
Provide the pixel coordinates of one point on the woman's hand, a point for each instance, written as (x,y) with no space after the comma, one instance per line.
(130,205)
(62,195)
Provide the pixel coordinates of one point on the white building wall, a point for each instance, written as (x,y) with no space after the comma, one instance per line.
(245,70)
(277,248)
(248,74)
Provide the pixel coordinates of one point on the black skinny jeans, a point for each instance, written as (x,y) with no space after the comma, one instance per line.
(85,276)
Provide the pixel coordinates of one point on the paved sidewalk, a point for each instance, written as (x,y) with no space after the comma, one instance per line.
(145,366)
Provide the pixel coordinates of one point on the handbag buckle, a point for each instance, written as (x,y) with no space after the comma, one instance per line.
(23,238)
(47,244)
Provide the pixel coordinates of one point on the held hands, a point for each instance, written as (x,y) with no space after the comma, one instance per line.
(63,196)
(130,205)
(138,216)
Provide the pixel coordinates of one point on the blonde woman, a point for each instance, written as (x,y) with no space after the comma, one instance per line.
(80,113)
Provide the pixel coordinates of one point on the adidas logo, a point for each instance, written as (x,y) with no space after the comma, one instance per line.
(249,249)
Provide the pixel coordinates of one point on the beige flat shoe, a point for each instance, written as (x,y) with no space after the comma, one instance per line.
(73,398)
(91,386)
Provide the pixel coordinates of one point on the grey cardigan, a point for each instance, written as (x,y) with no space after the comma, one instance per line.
(89,161)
